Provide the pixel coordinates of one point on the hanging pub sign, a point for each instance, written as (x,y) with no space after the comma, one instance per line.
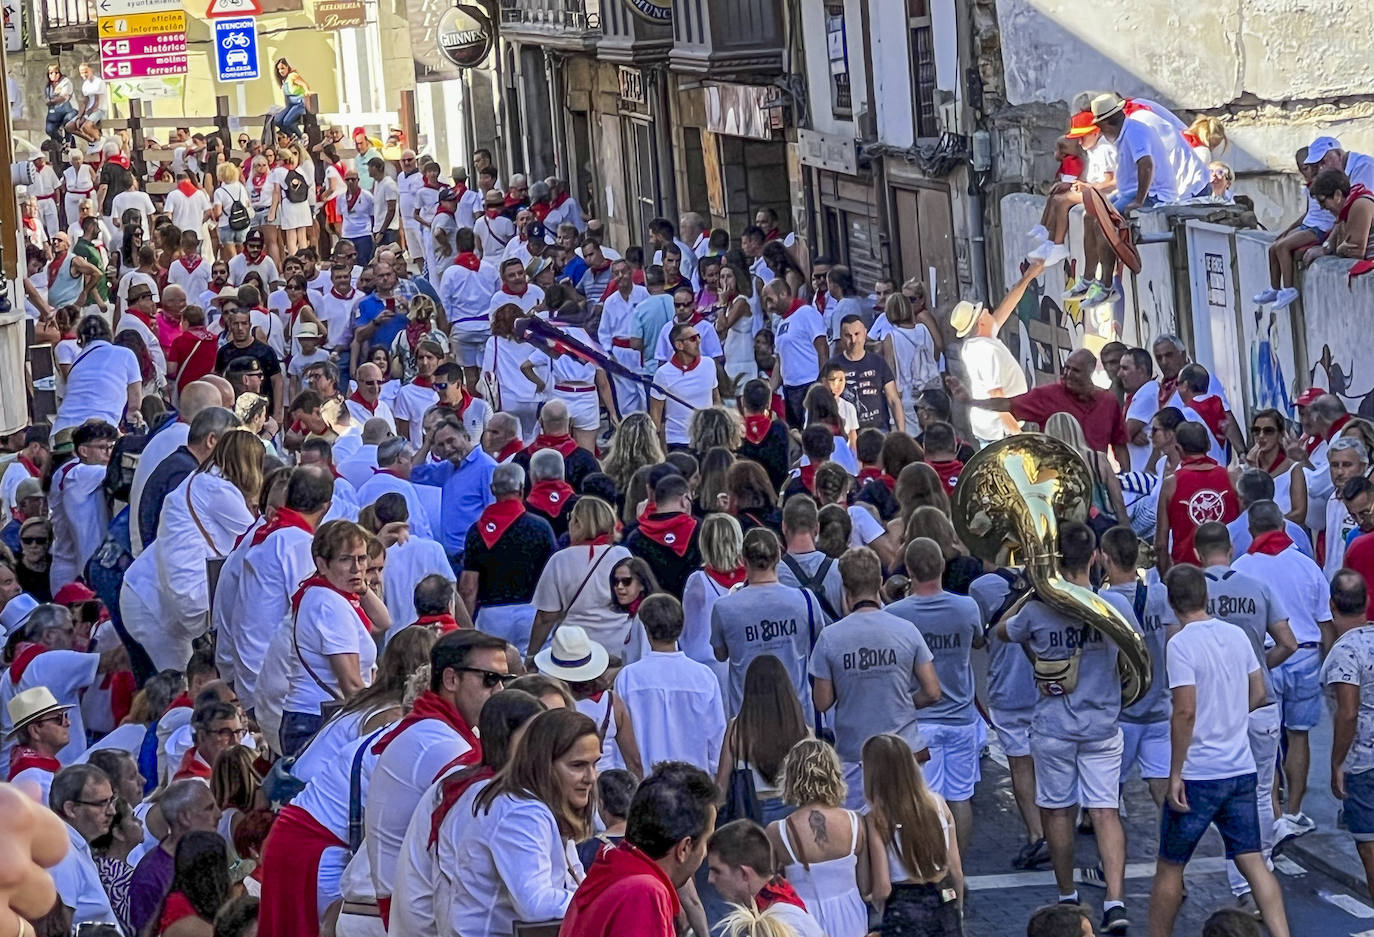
(465,35)
(655,11)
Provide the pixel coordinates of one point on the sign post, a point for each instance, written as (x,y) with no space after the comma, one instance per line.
(141,38)
(236,49)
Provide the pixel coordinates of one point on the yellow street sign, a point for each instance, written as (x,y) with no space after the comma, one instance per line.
(143,24)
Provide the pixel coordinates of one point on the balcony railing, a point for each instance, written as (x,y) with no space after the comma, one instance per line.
(573,25)
(68,21)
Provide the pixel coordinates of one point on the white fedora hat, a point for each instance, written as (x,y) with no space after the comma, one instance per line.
(32,704)
(572,656)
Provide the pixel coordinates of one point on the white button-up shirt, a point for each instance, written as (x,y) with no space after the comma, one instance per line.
(676,707)
(78,884)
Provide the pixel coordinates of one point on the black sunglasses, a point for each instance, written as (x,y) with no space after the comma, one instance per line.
(490,678)
(34,541)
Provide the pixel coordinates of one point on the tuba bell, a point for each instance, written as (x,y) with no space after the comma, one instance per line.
(1007,507)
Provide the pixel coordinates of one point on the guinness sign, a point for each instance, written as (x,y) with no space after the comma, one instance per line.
(655,11)
(465,36)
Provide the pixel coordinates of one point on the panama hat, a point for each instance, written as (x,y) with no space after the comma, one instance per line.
(572,656)
(307,330)
(1105,105)
(31,705)
(964,316)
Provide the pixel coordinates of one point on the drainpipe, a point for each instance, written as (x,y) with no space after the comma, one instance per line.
(553,67)
(977,232)
(869,132)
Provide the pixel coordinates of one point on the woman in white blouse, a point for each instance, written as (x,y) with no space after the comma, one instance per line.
(575,586)
(518,860)
(721,542)
(334,617)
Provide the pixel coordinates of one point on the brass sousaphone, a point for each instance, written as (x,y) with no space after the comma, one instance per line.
(1008,504)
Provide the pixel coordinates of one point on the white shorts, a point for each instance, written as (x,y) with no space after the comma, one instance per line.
(1148,745)
(584,407)
(1013,730)
(953,769)
(511,622)
(468,347)
(1064,768)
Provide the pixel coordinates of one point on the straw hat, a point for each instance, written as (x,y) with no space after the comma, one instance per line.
(32,705)
(572,656)
(964,316)
(1105,105)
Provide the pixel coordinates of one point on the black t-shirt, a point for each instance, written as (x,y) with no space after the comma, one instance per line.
(771,452)
(559,524)
(864,381)
(117,180)
(670,570)
(576,466)
(265,357)
(508,571)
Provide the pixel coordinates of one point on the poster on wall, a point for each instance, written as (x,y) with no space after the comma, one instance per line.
(1216,324)
(1273,370)
(14,26)
(715,183)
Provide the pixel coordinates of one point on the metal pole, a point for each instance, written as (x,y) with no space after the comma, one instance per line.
(10,249)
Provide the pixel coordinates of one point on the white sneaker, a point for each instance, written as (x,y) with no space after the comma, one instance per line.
(1057,254)
(1039,233)
(1077,291)
(1267,297)
(1285,297)
(1040,251)
(1289,826)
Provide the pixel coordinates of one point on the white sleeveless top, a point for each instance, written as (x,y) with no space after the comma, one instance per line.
(830,888)
(896,868)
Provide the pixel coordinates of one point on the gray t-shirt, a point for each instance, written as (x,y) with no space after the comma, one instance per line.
(871,658)
(1090,712)
(1011,686)
(810,562)
(766,619)
(1352,661)
(1250,603)
(948,623)
(1157,616)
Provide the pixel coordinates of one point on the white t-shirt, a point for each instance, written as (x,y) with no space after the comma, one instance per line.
(406,564)
(132,323)
(1188,169)
(493,234)
(226,194)
(97,97)
(676,707)
(663,349)
(325,625)
(1215,657)
(410,405)
(357,215)
(796,348)
(98,385)
(501,360)
(990,367)
(187,211)
(1299,580)
(696,386)
(1359,168)
(386,196)
(134,198)
(1101,160)
(1143,406)
(591,610)
(1138,140)
(864,527)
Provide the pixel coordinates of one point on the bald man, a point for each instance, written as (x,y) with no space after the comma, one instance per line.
(366,403)
(1098,411)
(166,439)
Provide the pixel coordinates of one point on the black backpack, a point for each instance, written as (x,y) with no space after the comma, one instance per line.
(239,216)
(297,189)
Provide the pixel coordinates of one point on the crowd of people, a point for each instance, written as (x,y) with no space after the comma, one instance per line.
(406,558)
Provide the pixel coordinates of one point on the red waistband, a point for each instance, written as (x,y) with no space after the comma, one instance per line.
(622,342)
(573,388)
(52,195)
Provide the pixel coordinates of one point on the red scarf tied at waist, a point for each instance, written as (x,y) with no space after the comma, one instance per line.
(496,519)
(430,705)
(565,444)
(283,518)
(1270,543)
(756,427)
(551,497)
(673,531)
(726,579)
(320,582)
(293,850)
(22,758)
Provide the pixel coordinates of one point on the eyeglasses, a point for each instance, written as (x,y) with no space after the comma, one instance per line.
(61,719)
(490,678)
(440,386)
(106,804)
(689,338)
(1264,430)
(224,735)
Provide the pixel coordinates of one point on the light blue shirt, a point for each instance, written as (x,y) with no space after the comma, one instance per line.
(466,491)
(1241,539)
(651,315)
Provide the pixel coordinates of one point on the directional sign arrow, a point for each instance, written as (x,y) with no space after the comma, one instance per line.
(109,70)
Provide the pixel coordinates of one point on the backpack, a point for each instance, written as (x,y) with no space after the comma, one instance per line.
(239,216)
(297,189)
(815,584)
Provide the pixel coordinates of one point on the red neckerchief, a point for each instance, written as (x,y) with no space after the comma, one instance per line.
(873,473)
(796,304)
(464,403)
(601,541)
(31,223)
(352,200)
(756,427)
(451,791)
(551,497)
(430,705)
(187,188)
(1167,386)
(727,578)
(461,188)
(446,210)
(948,470)
(1336,426)
(1193,139)
(681,366)
(468,260)
(196,258)
(27,652)
(1198,463)
(773,235)
(32,468)
(337,295)
(509,449)
(282,518)
(778,891)
(493,213)
(520,295)
(808,476)
(497,517)
(673,531)
(294,310)
(258,182)
(254,261)
(140,315)
(559,199)
(1279,458)
(540,211)
(445,622)
(192,766)
(358,398)
(1213,415)
(319,581)
(183,701)
(512,200)
(1357,192)
(421,381)
(55,265)
(1270,543)
(564,444)
(22,758)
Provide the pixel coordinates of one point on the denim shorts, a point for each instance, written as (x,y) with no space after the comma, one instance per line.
(1359,806)
(228,235)
(1120,199)
(1297,684)
(1228,802)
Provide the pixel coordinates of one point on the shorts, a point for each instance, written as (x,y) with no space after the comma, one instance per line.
(260,219)
(468,348)
(510,622)
(584,406)
(96,116)
(1148,745)
(1120,199)
(953,769)
(1227,802)
(1316,232)
(1013,730)
(1359,805)
(1297,684)
(228,235)
(1070,774)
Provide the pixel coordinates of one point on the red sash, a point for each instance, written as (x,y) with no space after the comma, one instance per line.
(319,581)
(292,854)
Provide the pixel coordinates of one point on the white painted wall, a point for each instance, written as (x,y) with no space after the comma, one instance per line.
(892,78)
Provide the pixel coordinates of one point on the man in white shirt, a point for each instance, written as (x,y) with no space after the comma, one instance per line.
(684,384)
(197,396)
(84,799)
(493,229)
(465,291)
(366,403)
(43,188)
(800,345)
(80,511)
(674,702)
(1326,153)
(394,457)
(1142,403)
(188,204)
(661,233)
(357,216)
(408,181)
(616,334)
(469,200)
(386,214)
(1346,459)
(1215,681)
(40,732)
(1274,559)
(29,462)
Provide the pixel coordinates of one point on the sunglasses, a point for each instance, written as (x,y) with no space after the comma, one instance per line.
(690,338)
(626,581)
(371,383)
(34,541)
(685,304)
(490,678)
(1264,430)
(440,386)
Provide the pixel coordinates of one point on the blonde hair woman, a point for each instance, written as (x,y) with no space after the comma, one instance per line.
(575,586)
(634,445)
(825,846)
(1208,137)
(721,543)
(231,204)
(1107,498)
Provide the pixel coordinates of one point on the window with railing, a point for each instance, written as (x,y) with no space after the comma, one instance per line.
(922,68)
(837,53)
(64,17)
(557,14)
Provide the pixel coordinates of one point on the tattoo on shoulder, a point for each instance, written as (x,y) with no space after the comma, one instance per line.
(818,831)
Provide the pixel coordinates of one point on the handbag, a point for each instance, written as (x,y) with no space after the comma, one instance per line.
(741,797)
(330,707)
